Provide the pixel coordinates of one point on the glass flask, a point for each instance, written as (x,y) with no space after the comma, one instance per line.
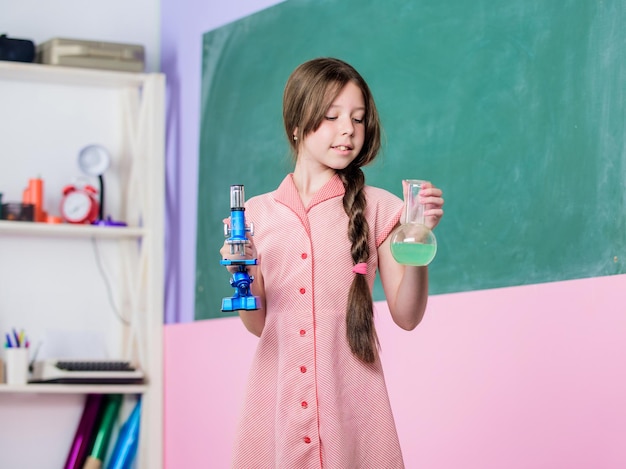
(413,243)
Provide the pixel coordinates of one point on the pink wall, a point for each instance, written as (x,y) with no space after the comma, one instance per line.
(519,378)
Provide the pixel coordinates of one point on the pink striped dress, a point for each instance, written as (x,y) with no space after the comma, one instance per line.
(310,403)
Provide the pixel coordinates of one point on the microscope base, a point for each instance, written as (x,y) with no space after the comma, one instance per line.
(247,303)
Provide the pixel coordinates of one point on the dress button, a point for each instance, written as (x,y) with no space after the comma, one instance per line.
(302,332)
(305,404)
(303,369)
(303,291)
(304,256)
(306,439)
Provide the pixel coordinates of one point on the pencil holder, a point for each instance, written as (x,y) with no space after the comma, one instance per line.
(16,365)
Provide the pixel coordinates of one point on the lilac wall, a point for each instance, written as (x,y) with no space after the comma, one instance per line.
(183,23)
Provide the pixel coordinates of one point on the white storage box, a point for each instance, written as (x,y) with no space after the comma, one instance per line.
(92,54)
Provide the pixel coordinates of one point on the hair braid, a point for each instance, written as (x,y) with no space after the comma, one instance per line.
(360,329)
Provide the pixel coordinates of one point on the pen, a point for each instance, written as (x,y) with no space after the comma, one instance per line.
(8,344)
(17,338)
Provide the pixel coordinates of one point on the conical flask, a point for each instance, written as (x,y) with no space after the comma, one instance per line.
(413,243)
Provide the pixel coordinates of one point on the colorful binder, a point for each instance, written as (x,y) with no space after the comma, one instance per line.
(126,445)
(85,432)
(98,452)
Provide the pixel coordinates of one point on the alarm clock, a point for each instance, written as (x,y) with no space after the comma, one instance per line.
(80,204)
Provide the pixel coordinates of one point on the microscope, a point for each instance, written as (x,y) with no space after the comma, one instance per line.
(236,237)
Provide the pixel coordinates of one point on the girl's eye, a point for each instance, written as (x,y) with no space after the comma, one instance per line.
(354,119)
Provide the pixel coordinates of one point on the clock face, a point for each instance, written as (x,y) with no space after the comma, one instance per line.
(76,207)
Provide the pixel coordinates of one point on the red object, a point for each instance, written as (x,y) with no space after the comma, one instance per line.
(54,220)
(80,204)
(33,194)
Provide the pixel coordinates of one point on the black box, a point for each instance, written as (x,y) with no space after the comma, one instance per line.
(16,211)
(16,50)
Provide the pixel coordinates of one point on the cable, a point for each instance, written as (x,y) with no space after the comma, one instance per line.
(107,284)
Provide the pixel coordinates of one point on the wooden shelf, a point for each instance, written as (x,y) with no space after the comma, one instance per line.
(47,113)
(21,228)
(73,388)
(74,76)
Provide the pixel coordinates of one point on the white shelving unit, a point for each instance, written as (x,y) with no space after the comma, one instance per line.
(78,289)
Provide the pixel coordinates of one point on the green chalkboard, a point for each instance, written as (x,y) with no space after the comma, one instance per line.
(514,107)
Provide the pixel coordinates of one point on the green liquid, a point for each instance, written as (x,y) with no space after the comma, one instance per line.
(413,253)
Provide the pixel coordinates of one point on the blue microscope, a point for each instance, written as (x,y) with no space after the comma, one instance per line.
(236,238)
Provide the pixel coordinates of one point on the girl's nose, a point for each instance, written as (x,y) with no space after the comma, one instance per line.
(347,127)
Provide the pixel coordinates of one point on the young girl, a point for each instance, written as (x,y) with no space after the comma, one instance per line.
(316,395)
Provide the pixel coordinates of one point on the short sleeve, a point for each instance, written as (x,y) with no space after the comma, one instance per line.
(384,210)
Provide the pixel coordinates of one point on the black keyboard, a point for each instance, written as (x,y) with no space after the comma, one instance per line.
(99,365)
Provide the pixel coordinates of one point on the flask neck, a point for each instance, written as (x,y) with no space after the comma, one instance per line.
(413,209)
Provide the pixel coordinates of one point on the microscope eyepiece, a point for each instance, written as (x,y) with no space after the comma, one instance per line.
(237,197)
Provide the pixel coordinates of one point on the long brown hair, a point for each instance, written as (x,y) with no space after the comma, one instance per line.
(309,92)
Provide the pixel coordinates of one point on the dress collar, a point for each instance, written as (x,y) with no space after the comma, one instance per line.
(287,193)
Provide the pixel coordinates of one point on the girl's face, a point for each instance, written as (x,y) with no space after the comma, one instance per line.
(339,138)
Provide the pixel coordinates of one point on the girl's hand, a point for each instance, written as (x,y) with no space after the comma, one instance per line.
(432,198)
(250,251)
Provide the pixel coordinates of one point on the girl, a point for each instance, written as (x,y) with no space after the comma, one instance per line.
(317,395)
